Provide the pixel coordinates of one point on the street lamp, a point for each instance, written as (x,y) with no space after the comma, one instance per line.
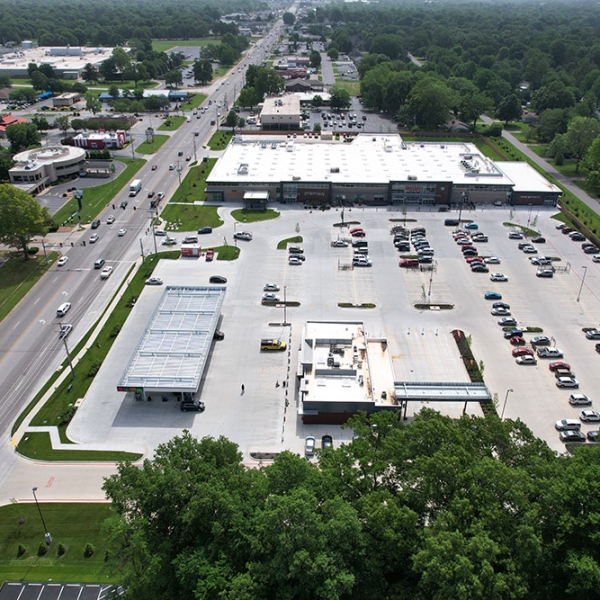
(47,533)
(505,401)
(582,280)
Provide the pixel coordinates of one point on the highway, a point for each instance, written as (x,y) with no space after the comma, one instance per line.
(30,348)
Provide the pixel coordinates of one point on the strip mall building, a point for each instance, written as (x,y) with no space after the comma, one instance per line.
(371,169)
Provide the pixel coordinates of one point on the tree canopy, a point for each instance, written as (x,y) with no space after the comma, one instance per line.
(21,218)
(471,508)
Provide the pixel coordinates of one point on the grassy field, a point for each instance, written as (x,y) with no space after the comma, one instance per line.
(173,123)
(165,45)
(17,277)
(194,102)
(150,148)
(253,216)
(283,244)
(353,87)
(189,217)
(227,252)
(97,198)
(71,525)
(219,140)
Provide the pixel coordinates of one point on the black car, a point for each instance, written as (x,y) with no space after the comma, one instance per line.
(218,335)
(205,230)
(479,268)
(598,348)
(593,435)
(539,240)
(451,222)
(591,250)
(124,204)
(218,279)
(501,305)
(326,442)
(194,405)
(95,223)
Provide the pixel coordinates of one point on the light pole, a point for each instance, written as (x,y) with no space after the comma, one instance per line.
(46,532)
(285,304)
(582,280)
(465,196)
(505,401)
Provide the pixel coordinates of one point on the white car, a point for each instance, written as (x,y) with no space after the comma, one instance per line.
(491,260)
(271,298)
(154,281)
(65,330)
(106,272)
(580,400)
(339,244)
(596,258)
(498,277)
(294,260)
(62,261)
(590,416)
(110,219)
(94,238)
(271,287)
(122,232)
(526,359)
(549,352)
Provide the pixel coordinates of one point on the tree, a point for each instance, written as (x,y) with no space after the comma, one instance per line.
(6,163)
(5,82)
(174,78)
(317,101)
(551,122)
(509,109)
(582,131)
(203,71)
(93,103)
(340,98)
(114,92)
(315,59)
(39,81)
(108,69)
(248,97)
(62,123)
(429,103)
(89,73)
(232,119)
(558,147)
(289,18)
(21,218)
(22,136)
(333,53)
(40,122)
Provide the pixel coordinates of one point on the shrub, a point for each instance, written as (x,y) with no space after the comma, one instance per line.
(33,250)
(21,550)
(42,549)
(65,417)
(89,550)
(62,550)
(94,368)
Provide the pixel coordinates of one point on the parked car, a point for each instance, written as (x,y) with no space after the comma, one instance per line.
(493,296)
(160,232)
(589,416)
(309,446)
(479,268)
(538,240)
(522,352)
(492,260)
(217,279)
(567,425)
(154,281)
(271,287)
(471,225)
(513,333)
(526,359)
(571,436)
(339,244)
(593,436)
(507,322)
(540,340)
(191,405)
(498,277)
(593,334)
(553,366)
(210,254)
(296,250)
(501,305)
(408,263)
(515,235)
(516,340)
(567,382)
(243,235)
(500,311)
(326,442)
(270,297)
(580,400)
(546,273)
(294,260)
(549,352)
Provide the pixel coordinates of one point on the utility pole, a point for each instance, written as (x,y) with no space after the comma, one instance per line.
(69,358)
(194,142)
(179,176)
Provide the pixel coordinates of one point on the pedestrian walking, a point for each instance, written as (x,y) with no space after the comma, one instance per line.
(243,388)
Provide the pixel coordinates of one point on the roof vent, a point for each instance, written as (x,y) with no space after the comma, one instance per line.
(412,177)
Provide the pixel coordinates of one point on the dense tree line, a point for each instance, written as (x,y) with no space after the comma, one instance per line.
(437,509)
(114,22)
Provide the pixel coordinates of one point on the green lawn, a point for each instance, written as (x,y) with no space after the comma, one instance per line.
(150,148)
(189,217)
(252,216)
(192,187)
(219,140)
(227,252)
(166,45)
(73,525)
(283,244)
(539,150)
(17,277)
(353,87)
(95,199)
(173,123)
(195,101)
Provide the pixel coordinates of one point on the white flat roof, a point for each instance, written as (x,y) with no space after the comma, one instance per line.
(282,105)
(369,158)
(172,352)
(527,179)
(47,155)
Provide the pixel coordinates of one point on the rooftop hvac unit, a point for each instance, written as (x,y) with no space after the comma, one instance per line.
(412,177)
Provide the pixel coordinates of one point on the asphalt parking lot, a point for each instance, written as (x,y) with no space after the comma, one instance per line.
(422,347)
(57,591)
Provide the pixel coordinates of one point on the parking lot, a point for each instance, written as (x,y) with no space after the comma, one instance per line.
(265,416)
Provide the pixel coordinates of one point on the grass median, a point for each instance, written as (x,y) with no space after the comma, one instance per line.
(151,147)
(95,199)
(190,217)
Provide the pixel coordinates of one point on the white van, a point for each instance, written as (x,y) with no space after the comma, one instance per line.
(63,309)
(191,239)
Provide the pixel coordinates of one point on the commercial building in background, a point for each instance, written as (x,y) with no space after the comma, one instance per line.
(100,140)
(66,99)
(371,169)
(281,113)
(37,169)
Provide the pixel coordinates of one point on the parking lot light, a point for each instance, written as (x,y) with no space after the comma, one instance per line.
(47,535)
(582,281)
(505,401)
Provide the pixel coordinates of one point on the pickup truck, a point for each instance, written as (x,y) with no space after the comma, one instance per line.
(272,344)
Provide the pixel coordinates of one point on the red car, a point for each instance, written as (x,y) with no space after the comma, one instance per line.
(515,340)
(409,263)
(474,259)
(468,247)
(522,352)
(154,167)
(559,365)
(355,229)
(359,234)
(210,254)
